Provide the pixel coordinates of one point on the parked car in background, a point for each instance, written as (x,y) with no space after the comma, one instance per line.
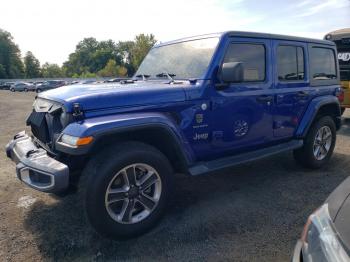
(6,85)
(22,86)
(326,235)
(116,80)
(38,83)
(246,96)
(51,84)
(86,82)
(72,82)
(342,40)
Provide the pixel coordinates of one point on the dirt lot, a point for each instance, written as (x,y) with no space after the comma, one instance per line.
(254,212)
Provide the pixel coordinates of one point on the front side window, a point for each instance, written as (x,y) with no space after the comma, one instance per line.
(252,57)
(290,63)
(183,60)
(323,64)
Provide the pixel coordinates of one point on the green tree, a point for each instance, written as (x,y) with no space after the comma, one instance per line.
(87,75)
(52,71)
(143,43)
(124,51)
(11,65)
(106,50)
(112,69)
(31,66)
(2,72)
(92,57)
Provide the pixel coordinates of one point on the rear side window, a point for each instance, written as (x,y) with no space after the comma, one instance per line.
(290,63)
(323,63)
(252,56)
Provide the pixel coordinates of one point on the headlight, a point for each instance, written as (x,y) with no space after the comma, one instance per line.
(65,118)
(320,240)
(69,140)
(75,141)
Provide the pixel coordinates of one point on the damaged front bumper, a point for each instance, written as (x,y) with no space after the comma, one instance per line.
(35,167)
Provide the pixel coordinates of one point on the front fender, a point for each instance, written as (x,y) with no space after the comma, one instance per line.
(311,113)
(98,127)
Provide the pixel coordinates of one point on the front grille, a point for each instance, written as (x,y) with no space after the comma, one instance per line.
(38,124)
(46,121)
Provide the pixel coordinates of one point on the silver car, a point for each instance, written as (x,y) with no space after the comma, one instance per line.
(326,235)
(22,86)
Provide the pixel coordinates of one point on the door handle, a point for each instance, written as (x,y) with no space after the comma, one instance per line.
(302,94)
(264,99)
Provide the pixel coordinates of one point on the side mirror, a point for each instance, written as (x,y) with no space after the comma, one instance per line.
(232,72)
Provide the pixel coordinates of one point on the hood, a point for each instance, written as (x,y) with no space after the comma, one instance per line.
(103,96)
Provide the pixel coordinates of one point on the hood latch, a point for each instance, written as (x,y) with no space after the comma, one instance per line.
(78,112)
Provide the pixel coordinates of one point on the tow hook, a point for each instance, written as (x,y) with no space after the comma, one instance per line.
(31,152)
(19,135)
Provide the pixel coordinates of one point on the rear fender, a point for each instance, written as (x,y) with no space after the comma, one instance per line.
(312,111)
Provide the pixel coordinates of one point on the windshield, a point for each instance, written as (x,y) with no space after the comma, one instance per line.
(183,60)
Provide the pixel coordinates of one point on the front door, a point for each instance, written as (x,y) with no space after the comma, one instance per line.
(242,112)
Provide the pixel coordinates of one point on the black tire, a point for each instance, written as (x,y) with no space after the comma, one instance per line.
(342,110)
(12,89)
(305,155)
(38,90)
(25,90)
(98,175)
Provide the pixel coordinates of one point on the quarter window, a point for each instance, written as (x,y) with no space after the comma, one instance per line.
(323,65)
(252,57)
(290,63)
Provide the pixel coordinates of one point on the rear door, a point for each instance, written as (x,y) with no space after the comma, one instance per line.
(292,86)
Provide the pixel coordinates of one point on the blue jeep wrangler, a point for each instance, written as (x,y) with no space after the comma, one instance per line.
(194,106)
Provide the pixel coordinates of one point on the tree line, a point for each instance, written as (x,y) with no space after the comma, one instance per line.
(91,58)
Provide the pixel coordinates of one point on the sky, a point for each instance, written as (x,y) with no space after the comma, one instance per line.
(52,28)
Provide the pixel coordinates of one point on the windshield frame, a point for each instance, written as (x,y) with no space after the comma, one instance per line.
(179,41)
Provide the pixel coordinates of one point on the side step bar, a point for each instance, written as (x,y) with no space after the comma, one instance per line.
(206,167)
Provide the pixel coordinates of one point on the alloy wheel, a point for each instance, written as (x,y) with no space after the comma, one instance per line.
(133,193)
(322,142)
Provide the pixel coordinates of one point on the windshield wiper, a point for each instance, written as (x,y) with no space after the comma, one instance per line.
(143,76)
(169,76)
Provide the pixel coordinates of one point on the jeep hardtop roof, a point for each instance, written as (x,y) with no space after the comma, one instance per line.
(252,35)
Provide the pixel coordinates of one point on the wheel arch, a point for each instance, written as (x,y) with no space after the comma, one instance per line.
(321,106)
(156,129)
(158,136)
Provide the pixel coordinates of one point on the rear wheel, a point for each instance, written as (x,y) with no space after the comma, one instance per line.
(38,90)
(25,89)
(318,144)
(12,89)
(126,189)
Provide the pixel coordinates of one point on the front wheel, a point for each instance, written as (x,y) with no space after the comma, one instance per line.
(127,188)
(318,145)
(38,90)
(12,89)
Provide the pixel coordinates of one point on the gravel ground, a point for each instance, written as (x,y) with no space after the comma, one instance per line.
(253,212)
